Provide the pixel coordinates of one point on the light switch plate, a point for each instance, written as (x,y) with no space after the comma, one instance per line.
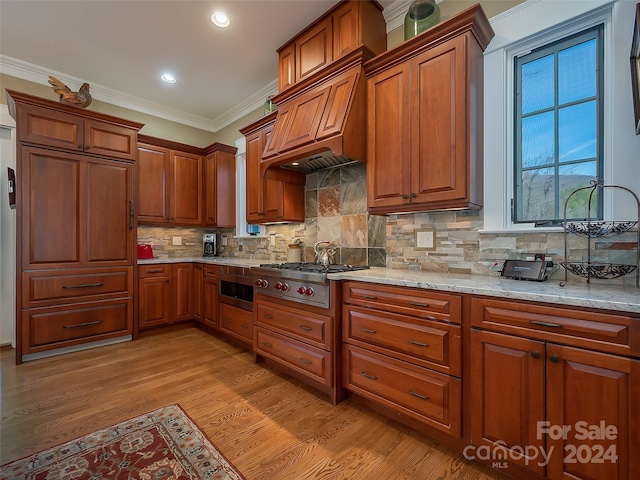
(177,241)
(425,239)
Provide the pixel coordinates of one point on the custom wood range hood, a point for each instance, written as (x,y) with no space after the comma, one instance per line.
(321,121)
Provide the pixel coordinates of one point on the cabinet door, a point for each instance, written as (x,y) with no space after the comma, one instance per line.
(335,112)
(53,208)
(283,201)
(388,138)
(109,194)
(153,179)
(286,67)
(256,143)
(210,301)
(198,287)
(220,189)
(345,29)
(314,49)
(439,129)
(185,192)
(153,304)
(46,127)
(110,140)
(594,395)
(507,395)
(182,291)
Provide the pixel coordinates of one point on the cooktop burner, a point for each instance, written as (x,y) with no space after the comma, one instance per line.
(314,267)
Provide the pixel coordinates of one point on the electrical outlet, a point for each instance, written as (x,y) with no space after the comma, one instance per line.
(424,239)
(224,240)
(272,240)
(176,241)
(240,247)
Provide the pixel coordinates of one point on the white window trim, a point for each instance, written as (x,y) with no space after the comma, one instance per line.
(241,193)
(521,29)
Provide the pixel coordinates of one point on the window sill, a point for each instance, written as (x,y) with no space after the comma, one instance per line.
(493,231)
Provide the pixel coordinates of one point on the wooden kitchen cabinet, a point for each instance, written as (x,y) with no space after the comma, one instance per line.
(210,296)
(534,374)
(182,292)
(75,225)
(237,323)
(169,181)
(424,123)
(165,294)
(220,186)
(198,291)
(341,30)
(277,197)
(403,351)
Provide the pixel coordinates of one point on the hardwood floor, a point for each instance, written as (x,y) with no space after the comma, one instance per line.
(268,425)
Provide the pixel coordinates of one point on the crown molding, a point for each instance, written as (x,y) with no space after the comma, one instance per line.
(39,75)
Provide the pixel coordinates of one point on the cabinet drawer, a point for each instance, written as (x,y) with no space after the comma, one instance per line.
(236,321)
(308,327)
(50,287)
(310,361)
(156,270)
(430,344)
(429,397)
(71,324)
(211,270)
(604,331)
(408,301)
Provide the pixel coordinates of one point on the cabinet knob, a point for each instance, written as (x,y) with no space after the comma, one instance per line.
(79,147)
(535,354)
(413,195)
(404,195)
(554,358)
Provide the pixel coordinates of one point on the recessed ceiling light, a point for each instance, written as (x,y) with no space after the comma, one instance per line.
(220,19)
(168,78)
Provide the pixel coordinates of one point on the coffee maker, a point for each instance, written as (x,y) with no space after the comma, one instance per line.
(209,245)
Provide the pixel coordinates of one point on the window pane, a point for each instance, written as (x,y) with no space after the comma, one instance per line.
(537,85)
(577,73)
(538,194)
(538,144)
(573,177)
(577,132)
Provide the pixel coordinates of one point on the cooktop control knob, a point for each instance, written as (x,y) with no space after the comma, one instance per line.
(261,283)
(282,286)
(307,291)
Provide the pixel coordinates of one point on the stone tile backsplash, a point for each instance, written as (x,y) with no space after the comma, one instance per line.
(336,211)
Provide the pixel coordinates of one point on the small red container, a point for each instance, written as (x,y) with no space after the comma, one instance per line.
(145,251)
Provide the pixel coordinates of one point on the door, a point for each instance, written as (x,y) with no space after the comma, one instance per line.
(154,304)
(197,291)
(53,207)
(286,67)
(210,302)
(182,294)
(388,138)
(345,29)
(153,181)
(592,395)
(110,140)
(314,49)
(439,137)
(185,192)
(507,396)
(109,193)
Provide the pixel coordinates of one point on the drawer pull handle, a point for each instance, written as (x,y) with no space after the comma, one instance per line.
(370,297)
(305,328)
(419,344)
(367,330)
(368,375)
(87,324)
(246,327)
(267,344)
(418,304)
(83,285)
(545,324)
(157,270)
(415,394)
(266,315)
(228,320)
(305,361)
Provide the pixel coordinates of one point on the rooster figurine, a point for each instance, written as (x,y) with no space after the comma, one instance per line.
(81,98)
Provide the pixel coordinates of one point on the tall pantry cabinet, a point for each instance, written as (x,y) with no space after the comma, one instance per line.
(75,231)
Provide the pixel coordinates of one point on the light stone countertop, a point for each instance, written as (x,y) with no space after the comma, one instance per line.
(625,299)
(601,296)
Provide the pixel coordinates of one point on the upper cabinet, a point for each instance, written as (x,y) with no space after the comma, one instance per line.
(424,123)
(347,26)
(277,197)
(220,186)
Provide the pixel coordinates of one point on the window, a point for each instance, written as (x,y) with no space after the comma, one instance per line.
(558,128)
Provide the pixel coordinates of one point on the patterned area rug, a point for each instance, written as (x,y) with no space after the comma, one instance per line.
(162,445)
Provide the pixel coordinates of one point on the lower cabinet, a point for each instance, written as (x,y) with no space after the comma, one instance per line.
(236,322)
(165,294)
(210,296)
(561,411)
(403,351)
(198,297)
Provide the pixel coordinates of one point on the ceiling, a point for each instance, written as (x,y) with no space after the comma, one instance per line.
(121,47)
